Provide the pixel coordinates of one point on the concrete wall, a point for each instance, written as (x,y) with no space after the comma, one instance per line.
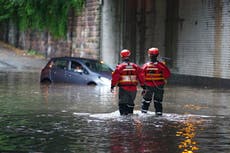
(44,44)
(155,25)
(133,24)
(111,31)
(203,36)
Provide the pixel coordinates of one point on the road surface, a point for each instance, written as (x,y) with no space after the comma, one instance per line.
(12,59)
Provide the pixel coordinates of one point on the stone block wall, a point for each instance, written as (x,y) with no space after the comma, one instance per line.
(83,37)
(86,28)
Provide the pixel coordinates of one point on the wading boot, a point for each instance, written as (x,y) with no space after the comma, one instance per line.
(158,108)
(145,106)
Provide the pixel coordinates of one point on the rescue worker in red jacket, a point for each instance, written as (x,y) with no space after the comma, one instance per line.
(126,76)
(155,74)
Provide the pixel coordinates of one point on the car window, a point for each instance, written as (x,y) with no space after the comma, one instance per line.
(97,66)
(60,63)
(75,66)
(104,67)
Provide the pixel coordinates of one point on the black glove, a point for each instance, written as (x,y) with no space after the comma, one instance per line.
(144,90)
(112,89)
(143,87)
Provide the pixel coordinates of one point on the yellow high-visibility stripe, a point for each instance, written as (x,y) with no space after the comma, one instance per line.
(153,75)
(152,68)
(129,69)
(154,79)
(122,81)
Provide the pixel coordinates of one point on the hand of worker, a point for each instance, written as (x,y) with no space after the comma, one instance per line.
(143,92)
(112,89)
(143,87)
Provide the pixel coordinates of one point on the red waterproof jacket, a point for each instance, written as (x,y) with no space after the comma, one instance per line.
(126,76)
(155,74)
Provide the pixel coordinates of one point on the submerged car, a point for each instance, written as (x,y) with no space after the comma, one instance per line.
(76,70)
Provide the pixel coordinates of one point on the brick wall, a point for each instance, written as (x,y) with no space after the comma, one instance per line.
(86,36)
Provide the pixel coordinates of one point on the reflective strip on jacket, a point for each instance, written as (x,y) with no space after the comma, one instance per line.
(127,76)
(155,74)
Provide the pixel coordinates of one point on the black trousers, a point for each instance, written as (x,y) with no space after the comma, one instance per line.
(126,101)
(156,94)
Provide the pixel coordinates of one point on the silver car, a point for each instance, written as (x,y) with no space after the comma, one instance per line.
(76,70)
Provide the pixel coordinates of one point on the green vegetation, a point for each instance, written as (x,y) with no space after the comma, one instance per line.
(34,53)
(46,15)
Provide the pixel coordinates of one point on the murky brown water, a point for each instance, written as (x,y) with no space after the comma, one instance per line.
(69,118)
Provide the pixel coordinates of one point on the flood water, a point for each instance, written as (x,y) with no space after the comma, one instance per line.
(62,118)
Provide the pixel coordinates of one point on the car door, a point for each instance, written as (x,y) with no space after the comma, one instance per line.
(76,73)
(58,71)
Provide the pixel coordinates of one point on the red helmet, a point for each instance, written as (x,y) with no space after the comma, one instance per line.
(125,53)
(153,51)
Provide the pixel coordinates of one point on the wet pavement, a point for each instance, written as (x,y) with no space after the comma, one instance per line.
(65,118)
(12,59)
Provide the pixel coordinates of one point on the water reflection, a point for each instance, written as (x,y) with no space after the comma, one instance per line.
(79,98)
(148,133)
(68,118)
(188,133)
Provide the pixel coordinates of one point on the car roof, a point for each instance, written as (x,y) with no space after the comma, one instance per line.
(79,59)
(74,58)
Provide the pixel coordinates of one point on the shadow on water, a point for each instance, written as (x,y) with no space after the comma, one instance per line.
(71,118)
